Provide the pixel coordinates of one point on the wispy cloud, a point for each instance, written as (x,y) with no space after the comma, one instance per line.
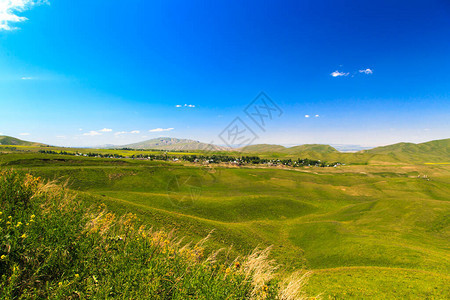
(92,133)
(366,71)
(126,132)
(10,8)
(61,136)
(26,78)
(186,105)
(316,116)
(160,129)
(339,74)
(106,130)
(24,133)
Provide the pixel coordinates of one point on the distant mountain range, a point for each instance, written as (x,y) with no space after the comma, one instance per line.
(433,151)
(12,141)
(167,143)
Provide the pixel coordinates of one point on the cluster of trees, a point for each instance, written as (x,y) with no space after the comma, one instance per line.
(89,154)
(213,159)
(55,152)
(152,156)
(256,160)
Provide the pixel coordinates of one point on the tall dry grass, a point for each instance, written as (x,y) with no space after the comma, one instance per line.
(53,245)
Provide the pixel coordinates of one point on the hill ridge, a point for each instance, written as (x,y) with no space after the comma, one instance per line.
(12,141)
(168,143)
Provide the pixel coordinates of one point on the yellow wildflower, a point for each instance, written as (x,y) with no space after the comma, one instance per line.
(228,270)
(23,236)
(60,283)
(3,257)
(32,216)
(77,275)
(19,224)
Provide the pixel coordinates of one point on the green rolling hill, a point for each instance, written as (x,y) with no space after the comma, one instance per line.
(267,148)
(438,150)
(318,148)
(262,148)
(366,231)
(12,141)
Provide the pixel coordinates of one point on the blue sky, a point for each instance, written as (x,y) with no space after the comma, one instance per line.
(84,73)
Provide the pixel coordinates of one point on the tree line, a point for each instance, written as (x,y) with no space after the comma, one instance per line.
(209,159)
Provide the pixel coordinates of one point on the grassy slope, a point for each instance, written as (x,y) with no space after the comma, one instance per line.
(296,150)
(311,148)
(438,150)
(11,141)
(367,230)
(54,246)
(434,151)
(262,148)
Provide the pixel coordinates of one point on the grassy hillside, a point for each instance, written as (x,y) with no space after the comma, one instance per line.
(11,141)
(53,245)
(166,143)
(318,148)
(432,151)
(262,148)
(297,150)
(365,230)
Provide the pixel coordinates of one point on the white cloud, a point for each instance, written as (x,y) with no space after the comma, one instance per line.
(26,78)
(61,136)
(160,129)
(338,74)
(178,105)
(316,116)
(126,132)
(24,133)
(306,116)
(106,130)
(10,8)
(366,71)
(92,133)
(186,105)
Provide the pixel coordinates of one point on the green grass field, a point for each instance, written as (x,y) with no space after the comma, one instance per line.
(377,230)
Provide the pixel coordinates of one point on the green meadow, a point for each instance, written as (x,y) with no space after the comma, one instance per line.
(378,227)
